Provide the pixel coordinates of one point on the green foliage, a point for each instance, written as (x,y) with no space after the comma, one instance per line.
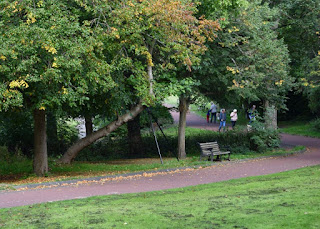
(158,113)
(299,25)
(316,124)
(251,62)
(16,131)
(260,68)
(262,138)
(4,153)
(13,162)
(47,56)
(313,94)
(67,134)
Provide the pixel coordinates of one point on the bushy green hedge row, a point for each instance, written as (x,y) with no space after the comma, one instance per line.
(258,140)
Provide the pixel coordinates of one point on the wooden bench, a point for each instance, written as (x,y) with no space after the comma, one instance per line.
(211,149)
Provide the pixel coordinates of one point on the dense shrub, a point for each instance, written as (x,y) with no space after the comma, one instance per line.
(316,124)
(4,153)
(16,130)
(66,135)
(13,162)
(10,157)
(261,138)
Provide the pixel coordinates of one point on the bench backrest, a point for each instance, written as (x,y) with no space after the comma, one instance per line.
(208,146)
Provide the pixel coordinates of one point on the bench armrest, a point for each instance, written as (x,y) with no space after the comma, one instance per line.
(225,148)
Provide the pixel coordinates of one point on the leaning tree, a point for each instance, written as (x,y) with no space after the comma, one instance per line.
(142,38)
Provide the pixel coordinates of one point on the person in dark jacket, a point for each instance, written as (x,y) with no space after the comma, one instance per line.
(252,114)
(208,115)
(223,119)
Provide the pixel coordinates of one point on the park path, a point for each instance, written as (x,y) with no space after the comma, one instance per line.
(144,182)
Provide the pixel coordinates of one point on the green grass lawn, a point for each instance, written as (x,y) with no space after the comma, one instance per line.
(284,200)
(299,128)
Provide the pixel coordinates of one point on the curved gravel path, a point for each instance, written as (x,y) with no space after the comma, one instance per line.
(172,179)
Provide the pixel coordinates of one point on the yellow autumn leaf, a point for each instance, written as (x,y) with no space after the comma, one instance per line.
(235,83)
(40,3)
(64,91)
(279,82)
(18,84)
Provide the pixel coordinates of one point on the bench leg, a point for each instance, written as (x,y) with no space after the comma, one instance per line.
(211,157)
(229,157)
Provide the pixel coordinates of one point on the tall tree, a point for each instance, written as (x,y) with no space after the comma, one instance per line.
(299,25)
(42,53)
(252,59)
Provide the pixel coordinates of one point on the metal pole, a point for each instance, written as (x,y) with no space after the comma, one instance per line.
(165,137)
(155,137)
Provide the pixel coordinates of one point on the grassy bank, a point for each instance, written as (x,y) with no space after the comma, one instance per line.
(299,128)
(284,200)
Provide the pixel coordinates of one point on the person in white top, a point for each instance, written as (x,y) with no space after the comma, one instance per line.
(234,118)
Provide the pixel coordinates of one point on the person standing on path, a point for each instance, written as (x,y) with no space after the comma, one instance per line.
(223,118)
(252,113)
(208,115)
(213,109)
(234,118)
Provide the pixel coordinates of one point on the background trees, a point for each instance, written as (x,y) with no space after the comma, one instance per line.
(299,26)
(252,62)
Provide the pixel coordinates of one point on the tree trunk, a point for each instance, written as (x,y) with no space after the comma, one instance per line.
(270,116)
(52,134)
(183,109)
(136,146)
(73,151)
(40,161)
(88,124)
